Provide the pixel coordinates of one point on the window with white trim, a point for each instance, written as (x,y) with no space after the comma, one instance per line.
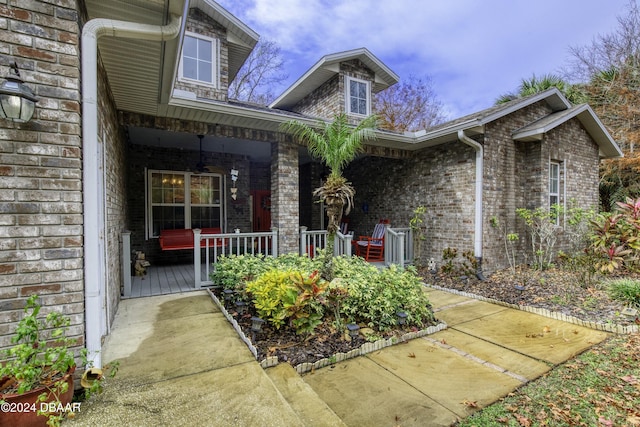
(183,200)
(554,186)
(358,96)
(199,60)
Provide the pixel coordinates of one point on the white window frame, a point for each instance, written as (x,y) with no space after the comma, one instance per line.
(215,60)
(554,177)
(347,96)
(187,198)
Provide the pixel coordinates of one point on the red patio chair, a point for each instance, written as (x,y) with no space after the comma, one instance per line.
(371,248)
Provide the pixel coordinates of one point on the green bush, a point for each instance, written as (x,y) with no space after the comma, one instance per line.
(626,291)
(287,295)
(616,238)
(234,271)
(285,288)
(375,296)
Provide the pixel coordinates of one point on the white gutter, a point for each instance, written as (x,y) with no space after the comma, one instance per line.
(93,171)
(477,240)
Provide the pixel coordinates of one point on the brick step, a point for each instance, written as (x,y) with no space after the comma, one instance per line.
(312,410)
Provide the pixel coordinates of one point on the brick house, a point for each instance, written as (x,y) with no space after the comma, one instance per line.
(124,89)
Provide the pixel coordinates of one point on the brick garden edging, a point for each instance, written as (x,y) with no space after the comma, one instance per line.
(617,329)
(338,357)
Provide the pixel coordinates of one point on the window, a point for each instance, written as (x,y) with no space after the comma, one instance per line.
(358,99)
(554,187)
(199,59)
(183,200)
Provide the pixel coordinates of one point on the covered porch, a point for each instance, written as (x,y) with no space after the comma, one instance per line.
(162,279)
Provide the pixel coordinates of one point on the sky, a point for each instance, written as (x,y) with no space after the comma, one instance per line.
(473,50)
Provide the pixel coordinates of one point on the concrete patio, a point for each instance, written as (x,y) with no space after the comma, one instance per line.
(183,364)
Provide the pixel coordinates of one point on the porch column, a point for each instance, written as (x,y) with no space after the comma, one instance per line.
(285,198)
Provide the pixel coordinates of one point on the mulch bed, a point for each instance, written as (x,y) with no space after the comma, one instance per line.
(555,289)
(295,349)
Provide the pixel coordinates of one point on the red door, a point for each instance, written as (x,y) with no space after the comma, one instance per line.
(261,210)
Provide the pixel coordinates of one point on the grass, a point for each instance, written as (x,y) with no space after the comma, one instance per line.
(600,387)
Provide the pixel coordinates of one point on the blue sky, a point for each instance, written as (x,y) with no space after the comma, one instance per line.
(474,51)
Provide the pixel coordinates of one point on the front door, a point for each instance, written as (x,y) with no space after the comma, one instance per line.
(261,210)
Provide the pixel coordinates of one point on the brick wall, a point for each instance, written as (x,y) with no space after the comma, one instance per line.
(285,213)
(41,183)
(329,99)
(442,178)
(112,138)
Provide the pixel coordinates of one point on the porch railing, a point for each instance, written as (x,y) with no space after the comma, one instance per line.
(398,246)
(312,240)
(342,244)
(265,243)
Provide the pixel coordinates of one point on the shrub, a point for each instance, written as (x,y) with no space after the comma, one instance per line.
(234,271)
(626,291)
(291,290)
(542,232)
(616,238)
(281,295)
(375,296)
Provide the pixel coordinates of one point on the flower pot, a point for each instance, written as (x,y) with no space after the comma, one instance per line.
(22,409)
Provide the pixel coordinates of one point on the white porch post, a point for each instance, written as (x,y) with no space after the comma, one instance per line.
(126,262)
(197,267)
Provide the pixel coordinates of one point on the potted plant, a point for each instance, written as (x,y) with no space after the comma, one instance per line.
(36,375)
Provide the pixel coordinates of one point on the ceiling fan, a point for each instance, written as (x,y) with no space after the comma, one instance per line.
(200,166)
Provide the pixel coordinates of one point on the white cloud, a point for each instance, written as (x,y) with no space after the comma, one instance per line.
(474,51)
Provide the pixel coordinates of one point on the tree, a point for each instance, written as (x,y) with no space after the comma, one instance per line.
(617,49)
(610,70)
(336,144)
(535,85)
(259,74)
(410,105)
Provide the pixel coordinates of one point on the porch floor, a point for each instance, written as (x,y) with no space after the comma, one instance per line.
(163,280)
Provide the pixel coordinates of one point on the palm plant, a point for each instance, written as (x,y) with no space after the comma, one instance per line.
(535,85)
(336,144)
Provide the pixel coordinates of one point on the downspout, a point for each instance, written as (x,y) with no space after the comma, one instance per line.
(477,240)
(93,171)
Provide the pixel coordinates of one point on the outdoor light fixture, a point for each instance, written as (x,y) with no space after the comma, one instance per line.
(17,101)
(353,330)
(241,307)
(228,295)
(256,326)
(402,317)
(520,289)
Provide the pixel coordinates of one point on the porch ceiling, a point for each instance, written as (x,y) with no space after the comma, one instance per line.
(140,72)
(256,151)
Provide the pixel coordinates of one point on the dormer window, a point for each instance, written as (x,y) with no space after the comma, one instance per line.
(358,96)
(199,59)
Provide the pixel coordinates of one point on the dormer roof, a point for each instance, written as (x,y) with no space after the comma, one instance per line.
(326,68)
(240,38)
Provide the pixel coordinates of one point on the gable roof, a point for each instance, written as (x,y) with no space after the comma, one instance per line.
(144,84)
(327,67)
(534,131)
(240,38)
(562,111)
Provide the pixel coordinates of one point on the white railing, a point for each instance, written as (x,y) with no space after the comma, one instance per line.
(310,241)
(342,245)
(265,243)
(398,246)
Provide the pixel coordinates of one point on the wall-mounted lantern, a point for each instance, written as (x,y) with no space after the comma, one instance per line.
(17,101)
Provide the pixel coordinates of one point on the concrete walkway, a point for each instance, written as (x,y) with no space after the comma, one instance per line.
(183,364)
